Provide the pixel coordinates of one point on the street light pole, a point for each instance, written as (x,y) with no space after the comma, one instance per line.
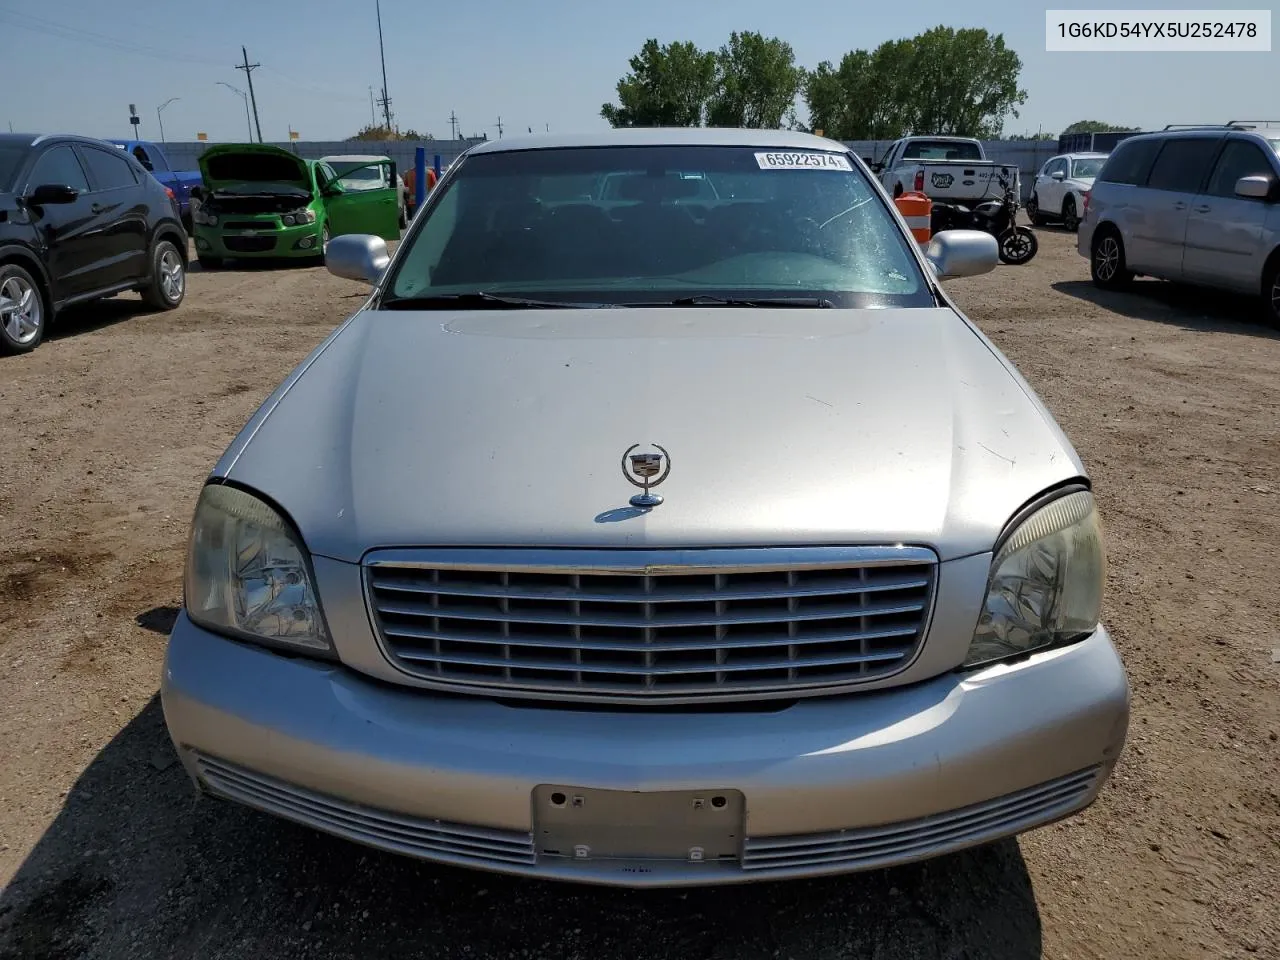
(248,122)
(160,119)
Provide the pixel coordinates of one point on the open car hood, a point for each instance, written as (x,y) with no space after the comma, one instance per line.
(239,163)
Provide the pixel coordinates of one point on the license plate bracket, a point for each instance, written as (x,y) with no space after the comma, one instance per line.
(575,823)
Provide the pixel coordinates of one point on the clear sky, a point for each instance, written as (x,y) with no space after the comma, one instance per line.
(76,65)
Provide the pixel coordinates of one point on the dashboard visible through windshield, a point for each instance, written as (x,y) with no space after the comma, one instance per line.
(633,226)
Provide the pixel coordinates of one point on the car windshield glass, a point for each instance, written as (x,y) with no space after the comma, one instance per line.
(1275,144)
(1086,168)
(942,150)
(628,225)
(10,158)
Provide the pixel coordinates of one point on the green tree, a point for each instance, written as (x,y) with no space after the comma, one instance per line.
(668,86)
(944,81)
(1097,126)
(756,83)
(1031,136)
(376,131)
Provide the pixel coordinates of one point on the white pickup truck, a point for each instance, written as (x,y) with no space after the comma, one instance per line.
(954,169)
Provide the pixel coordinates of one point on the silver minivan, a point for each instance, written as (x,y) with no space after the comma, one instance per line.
(1199,205)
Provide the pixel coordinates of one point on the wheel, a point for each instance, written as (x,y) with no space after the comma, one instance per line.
(1018,245)
(22,312)
(1107,263)
(1070,219)
(1270,293)
(1033,211)
(168,277)
(209,263)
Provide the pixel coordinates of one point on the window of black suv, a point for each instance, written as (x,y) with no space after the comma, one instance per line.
(58,165)
(110,170)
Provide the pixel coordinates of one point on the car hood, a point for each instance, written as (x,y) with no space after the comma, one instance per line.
(783,427)
(245,163)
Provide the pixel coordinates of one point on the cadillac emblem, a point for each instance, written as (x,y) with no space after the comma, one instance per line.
(646,470)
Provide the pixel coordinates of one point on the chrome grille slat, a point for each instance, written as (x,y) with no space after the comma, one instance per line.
(792,638)
(649,620)
(651,625)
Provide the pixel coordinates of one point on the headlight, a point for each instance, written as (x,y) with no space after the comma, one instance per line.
(287,219)
(208,219)
(1046,583)
(305,216)
(248,575)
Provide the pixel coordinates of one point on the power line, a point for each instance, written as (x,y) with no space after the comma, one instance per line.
(77,35)
(386,100)
(248,69)
(453,125)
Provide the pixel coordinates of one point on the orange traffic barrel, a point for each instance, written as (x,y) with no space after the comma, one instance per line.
(915,209)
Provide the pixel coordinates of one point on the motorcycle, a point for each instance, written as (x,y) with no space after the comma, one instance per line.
(996,217)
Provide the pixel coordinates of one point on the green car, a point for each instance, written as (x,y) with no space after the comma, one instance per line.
(263,201)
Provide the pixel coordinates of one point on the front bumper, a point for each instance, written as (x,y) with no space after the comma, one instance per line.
(825,786)
(267,242)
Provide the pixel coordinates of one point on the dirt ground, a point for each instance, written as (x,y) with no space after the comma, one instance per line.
(1172,398)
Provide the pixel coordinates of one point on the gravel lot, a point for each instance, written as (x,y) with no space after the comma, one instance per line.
(1172,398)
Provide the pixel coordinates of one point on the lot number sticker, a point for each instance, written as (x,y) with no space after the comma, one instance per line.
(803,161)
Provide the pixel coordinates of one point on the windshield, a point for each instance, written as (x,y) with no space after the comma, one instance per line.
(1087,168)
(942,150)
(1275,144)
(636,225)
(10,160)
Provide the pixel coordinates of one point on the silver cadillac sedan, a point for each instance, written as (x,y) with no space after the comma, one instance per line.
(657,520)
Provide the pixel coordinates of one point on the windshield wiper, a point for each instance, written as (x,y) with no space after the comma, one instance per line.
(479,300)
(706,300)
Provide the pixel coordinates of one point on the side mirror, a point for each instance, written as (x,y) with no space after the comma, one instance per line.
(358,256)
(962,253)
(52,193)
(1058,175)
(1257,187)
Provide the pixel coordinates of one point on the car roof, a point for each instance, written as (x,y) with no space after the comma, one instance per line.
(663,137)
(355,156)
(35,139)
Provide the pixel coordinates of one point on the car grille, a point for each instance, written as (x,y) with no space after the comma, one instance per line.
(651,626)
(248,244)
(868,847)
(397,832)
(248,225)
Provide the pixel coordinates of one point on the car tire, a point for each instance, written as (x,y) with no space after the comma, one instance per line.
(168,283)
(1271,293)
(23,311)
(1033,211)
(1070,219)
(1107,264)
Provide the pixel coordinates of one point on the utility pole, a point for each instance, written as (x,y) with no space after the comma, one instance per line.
(373,117)
(499,128)
(386,100)
(248,69)
(453,125)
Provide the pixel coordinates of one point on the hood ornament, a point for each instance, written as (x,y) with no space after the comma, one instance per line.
(646,470)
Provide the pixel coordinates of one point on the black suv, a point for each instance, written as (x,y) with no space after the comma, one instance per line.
(80,219)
